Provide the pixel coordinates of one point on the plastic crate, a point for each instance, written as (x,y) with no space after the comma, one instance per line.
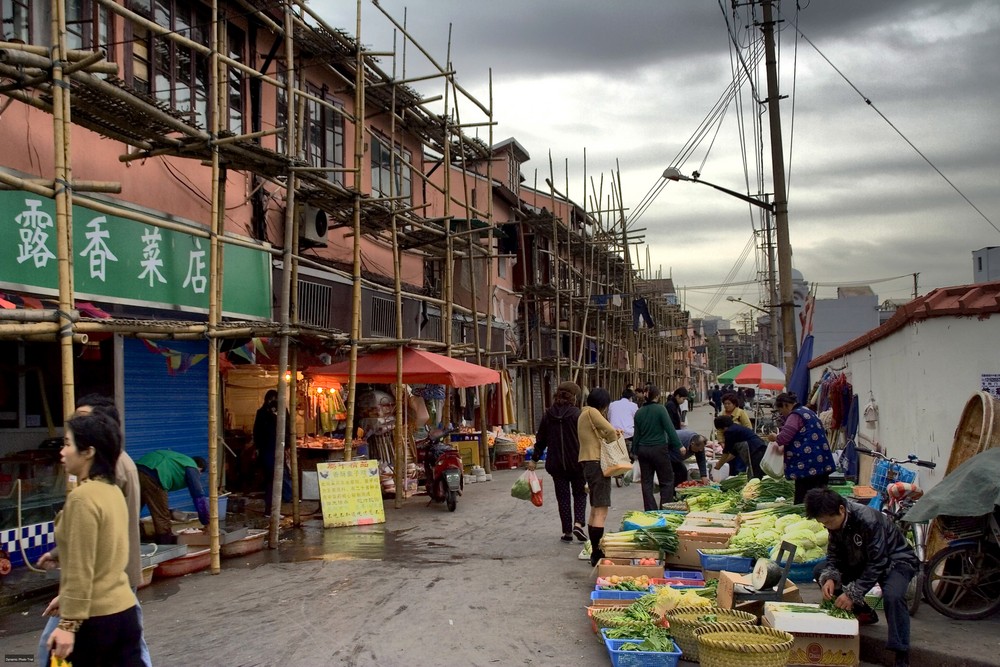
(736,564)
(640,658)
(880,475)
(627,596)
(684,574)
(802,573)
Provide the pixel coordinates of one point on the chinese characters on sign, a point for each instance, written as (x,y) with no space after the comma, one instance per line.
(122,259)
(991,384)
(350,493)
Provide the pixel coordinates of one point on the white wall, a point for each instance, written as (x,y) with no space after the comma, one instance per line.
(922,376)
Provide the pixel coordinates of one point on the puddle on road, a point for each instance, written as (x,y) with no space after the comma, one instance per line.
(313,542)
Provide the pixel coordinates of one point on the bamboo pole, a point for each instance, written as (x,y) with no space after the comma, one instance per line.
(214,295)
(286,287)
(64,204)
(484,455)
(557,315)
(359,156)
(447,324)
(398,445)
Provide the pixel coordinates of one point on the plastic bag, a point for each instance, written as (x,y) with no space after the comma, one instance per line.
(773,463)
(535,485)
(636,476)
(521,489)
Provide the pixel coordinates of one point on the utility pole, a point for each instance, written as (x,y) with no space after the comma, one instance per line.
(915,292)
(780,199)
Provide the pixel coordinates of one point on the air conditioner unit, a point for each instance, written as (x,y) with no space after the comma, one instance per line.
(313,224)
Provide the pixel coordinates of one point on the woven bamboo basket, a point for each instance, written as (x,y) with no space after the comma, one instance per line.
(601,617)
(685,620)
(730,644)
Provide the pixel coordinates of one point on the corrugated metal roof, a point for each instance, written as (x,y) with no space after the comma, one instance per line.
(978,300)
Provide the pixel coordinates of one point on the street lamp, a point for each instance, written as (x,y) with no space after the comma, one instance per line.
(780,211)
(736,299)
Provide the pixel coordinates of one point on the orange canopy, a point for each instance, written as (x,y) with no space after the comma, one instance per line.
(419,367)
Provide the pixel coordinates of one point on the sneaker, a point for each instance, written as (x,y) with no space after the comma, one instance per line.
(567,537)
(580,533)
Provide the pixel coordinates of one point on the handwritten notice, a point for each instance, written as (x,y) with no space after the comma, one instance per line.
(350,493)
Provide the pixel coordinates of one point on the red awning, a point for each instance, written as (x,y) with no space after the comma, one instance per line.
(419,367)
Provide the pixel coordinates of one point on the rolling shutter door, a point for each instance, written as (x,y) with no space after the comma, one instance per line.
(166,410)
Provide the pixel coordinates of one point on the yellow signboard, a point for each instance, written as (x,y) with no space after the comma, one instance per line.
(350,493)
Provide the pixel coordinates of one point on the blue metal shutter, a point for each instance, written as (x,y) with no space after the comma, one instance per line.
(164,410)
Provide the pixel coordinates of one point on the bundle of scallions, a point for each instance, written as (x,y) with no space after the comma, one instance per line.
(660,538)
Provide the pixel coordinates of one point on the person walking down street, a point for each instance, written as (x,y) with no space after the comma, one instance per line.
(865,548)
(594,429)
(739,442)
(654,440)
(126,479)
(731,407)
(265,432)
(802,440)
(99,624)
(161,472)
(557,434)
(673,406)
(621,414)
(716,400)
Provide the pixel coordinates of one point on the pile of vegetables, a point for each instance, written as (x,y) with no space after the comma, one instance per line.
(761,533)
(768,490)
(708,499)
(656,538)
(666,599)
(625,583)
(833,610)
(652,519)
(634,622)
(657,639)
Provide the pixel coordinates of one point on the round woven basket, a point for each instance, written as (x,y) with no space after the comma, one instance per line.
(685,620)
(604,617)
(729,644)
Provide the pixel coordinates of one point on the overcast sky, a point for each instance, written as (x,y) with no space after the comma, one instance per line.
(632,81)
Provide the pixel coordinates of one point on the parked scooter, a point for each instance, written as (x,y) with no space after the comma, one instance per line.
(442,468)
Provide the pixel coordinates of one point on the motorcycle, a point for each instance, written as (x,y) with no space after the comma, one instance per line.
(442,468)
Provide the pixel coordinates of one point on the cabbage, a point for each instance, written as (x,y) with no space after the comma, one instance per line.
(784,522)
(805,524)
(821,538)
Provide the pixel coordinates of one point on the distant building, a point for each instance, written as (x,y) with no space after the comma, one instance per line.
(836,321)
(986,264)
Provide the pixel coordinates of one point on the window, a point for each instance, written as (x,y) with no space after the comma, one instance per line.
(324,134)
(502,267)
(383,184)
(88,26)
(15,20)
(175,74)
(383,322)
(979,262)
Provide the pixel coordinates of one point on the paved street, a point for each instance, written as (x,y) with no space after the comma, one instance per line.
(490,584)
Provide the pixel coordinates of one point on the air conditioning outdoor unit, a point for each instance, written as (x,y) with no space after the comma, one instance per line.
(313,224)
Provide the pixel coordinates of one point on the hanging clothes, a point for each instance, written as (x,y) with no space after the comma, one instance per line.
(640,310)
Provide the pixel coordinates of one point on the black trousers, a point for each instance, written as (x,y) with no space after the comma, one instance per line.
(655,460)
(805,484)
(109,641)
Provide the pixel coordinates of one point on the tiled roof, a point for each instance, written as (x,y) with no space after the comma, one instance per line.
(978,300)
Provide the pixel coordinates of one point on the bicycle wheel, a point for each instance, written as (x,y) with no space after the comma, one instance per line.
(915,592)
(963,581)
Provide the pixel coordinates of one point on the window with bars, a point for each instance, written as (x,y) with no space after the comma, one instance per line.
(383,183)
(324,140)
(89,26)
(314,304)
(15,20)
(176,74)
(383,318)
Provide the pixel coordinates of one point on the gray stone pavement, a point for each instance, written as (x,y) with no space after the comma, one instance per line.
(490,584)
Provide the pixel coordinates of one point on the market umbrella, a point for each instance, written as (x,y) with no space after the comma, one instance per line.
(419,367)
(764,376)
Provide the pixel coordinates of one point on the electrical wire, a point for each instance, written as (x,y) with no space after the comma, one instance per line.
(895,129)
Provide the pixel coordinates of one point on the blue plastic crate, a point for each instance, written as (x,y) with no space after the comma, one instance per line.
(684,574)
(880,474)
(601,594)
(640,658)
(737,564)
(802,573)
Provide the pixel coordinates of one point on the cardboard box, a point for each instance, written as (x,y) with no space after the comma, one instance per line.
(627,571)
(788,617)
(725,596)
(817,649)
(687,551)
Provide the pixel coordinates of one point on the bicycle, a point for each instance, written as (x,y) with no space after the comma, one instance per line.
(897,491)
(963,579)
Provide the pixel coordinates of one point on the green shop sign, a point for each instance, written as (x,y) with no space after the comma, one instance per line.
(117,259)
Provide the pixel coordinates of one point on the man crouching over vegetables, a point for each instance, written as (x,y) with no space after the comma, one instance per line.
(865,548)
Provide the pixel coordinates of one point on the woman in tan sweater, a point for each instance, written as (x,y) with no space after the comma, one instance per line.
(594,429)
(99,623)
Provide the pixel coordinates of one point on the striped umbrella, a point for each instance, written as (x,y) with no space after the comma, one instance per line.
(763,376)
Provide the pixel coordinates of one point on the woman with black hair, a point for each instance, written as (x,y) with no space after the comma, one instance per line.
(594,429)
(802,440)
(655,443)
(99,623)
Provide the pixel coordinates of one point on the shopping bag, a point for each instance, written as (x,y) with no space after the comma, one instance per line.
(636,476)
(535,485)
(522,488)
(773,463)
(614,458)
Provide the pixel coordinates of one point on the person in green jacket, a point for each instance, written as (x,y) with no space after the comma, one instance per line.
(652,441)
(163,471)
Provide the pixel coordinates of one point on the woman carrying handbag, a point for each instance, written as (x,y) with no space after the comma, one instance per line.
(594,430)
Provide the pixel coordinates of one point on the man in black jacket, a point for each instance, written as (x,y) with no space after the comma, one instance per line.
(865,548)
(673,406)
